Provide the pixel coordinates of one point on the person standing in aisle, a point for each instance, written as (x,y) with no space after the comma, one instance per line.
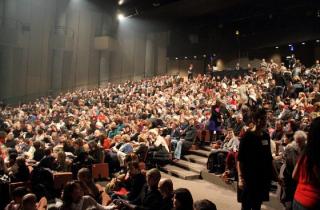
(255,168)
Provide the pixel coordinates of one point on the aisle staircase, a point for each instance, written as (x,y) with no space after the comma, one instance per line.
(191,166)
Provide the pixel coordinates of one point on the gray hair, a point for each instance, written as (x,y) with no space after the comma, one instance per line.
(300,134)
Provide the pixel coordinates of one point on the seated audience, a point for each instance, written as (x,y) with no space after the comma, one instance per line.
(87,184)
(17,196)
(152,199)
(19,172)
(147,120)
(74,199)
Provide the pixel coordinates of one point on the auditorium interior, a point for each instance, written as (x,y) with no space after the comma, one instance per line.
(159,104)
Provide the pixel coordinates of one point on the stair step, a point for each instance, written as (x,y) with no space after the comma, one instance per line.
(216,179)
(206,148)
(180,172)
(200,152)
(189,166)
(196,159)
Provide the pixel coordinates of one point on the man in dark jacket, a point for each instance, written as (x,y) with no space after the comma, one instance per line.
(280,82)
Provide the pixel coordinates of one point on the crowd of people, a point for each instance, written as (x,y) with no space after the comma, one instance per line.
(261,127)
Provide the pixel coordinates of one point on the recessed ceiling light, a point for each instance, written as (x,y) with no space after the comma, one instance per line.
(186,57)
(290,45)
(204,55)
(120,17)
(277,47)
(177,58)
(317,40)
(156,4)
(303,43)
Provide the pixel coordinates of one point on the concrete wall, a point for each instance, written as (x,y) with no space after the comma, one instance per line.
(47,46)
(138,54)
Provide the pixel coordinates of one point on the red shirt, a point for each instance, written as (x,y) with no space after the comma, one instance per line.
(307,193)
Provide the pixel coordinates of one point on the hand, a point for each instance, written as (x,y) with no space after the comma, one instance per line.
(241,183)
(119,202)
(11,206)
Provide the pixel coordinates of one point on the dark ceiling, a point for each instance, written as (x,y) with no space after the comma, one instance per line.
(176,9)
(215,10)
(214,22)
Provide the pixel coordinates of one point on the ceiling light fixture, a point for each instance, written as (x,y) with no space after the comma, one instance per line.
(156,4)
(120,16)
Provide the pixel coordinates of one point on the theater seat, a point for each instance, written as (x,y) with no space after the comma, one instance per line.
(100,171)
(14,185)
(60,179)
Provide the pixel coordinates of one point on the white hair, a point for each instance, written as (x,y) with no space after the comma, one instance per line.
(300,134)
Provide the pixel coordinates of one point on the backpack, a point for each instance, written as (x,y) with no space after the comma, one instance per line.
(216,162)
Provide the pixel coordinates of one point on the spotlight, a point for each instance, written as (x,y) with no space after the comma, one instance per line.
(277,47)
(195,57)
(204,55)
(177,58)
(303,43)
(290,45)
(120,17)
(120,2)
(317,40)
(186,57)
(237,32)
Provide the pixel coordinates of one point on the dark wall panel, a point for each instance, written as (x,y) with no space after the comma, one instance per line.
(67,77)
(104,65)
(139,57)
(47,46)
